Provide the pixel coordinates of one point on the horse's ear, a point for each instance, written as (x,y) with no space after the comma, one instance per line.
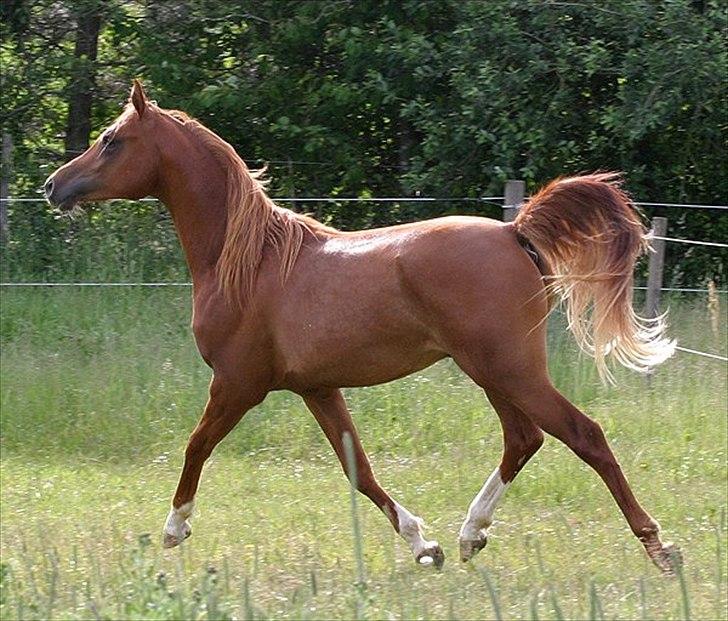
(138,97)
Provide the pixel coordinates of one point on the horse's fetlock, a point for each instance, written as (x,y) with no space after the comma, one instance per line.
(648,531)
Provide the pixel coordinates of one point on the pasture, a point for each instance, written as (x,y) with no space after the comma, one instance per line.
(101,387)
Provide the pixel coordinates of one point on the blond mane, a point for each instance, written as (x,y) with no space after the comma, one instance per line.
(253,221)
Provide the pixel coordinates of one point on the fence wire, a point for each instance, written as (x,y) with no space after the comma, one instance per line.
(702,353)
(690,241)
(189,284)
(95,284)
(683,290)
(400,199)
(322,199)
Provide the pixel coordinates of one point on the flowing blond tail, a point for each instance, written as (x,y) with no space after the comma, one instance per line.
(589,234)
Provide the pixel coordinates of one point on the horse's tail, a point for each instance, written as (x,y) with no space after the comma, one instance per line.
(589,234)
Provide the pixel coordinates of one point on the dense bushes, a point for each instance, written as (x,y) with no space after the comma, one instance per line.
(384,98)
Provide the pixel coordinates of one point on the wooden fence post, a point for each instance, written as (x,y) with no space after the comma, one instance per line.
(513,198)
(6,165)
(656,264)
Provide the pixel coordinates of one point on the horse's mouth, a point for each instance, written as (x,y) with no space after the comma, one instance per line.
(65,193)
(67,205)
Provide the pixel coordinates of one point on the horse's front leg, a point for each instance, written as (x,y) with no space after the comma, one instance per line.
(329,409)
(228,403)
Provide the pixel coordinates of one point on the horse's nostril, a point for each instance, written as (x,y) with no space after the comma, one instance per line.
(48,187)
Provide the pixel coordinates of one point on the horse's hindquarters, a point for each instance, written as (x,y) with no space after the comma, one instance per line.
(483,297)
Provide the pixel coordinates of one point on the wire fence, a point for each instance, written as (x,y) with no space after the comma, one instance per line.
(680,205)
(702,353)
(189,284)
(690,241)
(698,243)
(95,284)
(400,199)
(405,199)
(685,290)
(324,199)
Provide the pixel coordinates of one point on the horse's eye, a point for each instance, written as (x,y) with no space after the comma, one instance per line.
(109,142)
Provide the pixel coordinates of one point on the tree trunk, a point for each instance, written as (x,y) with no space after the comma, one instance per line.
(406,141)
(83,80)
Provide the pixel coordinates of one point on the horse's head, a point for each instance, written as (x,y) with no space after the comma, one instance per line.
(122,163)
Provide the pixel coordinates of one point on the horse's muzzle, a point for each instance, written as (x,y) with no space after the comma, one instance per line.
(65,195)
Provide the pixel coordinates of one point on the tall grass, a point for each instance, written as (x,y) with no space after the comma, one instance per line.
(100,390)
(361,583)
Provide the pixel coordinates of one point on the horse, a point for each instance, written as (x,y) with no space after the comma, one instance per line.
(283,302)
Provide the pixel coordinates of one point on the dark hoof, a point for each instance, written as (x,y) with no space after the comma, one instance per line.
(170,541)
(431,556)
(667,557)
(470,547)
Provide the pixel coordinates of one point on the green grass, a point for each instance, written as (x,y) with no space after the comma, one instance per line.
(100,389)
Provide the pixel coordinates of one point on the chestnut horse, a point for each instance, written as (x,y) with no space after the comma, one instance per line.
(283,302)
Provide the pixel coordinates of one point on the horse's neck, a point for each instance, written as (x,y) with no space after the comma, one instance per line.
(193,187)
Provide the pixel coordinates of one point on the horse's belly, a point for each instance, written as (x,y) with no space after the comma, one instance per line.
(348,364)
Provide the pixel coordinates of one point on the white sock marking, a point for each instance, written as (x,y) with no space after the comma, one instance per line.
(410,529)
(175,524)
(481,510)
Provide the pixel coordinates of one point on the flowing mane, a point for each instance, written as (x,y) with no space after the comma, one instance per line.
(253,220)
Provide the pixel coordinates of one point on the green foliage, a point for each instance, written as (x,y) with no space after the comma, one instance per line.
(380,98)
(118,241)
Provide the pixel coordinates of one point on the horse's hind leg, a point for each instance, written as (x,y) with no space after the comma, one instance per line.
(329,409)
(553,413)
(521,439)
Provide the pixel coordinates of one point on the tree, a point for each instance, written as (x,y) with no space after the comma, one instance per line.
(83,80)
(373,97)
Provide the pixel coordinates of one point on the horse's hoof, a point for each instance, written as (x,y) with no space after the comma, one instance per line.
(667,557)
(470,547)
(432,555)
(170,540)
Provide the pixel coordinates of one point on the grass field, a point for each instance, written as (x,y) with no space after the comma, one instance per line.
(100,389)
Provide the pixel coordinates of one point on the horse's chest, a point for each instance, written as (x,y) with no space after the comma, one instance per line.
(226,336)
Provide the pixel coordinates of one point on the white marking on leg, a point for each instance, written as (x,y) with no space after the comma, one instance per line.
(176,528)
(481,510)
(410,529)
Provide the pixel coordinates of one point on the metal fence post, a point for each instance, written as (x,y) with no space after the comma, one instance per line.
(513,198)
(655,269)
